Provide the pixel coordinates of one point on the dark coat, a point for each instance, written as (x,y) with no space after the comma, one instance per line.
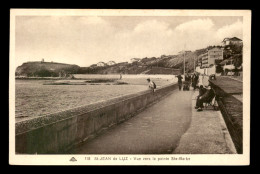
(202,91)
(179,78)
(208,95)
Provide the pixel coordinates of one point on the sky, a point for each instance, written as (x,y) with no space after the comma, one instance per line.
(85,40)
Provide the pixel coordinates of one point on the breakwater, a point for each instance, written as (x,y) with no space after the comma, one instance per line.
(58,132)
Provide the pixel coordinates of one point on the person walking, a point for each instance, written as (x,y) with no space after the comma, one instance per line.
(195,79)
(179,81)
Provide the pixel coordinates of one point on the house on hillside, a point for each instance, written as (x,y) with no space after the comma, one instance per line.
(228,65)
(135,60)
(232,41)
(101,64)
(122,63)
(164,56)
(147,60)
(93,65)
(111,63)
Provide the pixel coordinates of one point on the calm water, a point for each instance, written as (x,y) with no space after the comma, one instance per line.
(32,98)
(124,76)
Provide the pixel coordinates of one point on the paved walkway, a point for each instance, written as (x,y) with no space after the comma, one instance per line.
(207,134)
(160,129)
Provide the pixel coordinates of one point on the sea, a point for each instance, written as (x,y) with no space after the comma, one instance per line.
(33,98)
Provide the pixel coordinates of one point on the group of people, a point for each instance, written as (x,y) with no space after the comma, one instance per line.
(189,79)
(205,94)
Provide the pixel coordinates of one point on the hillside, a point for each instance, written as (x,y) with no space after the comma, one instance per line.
(46,69)
(171,64)
(165,64)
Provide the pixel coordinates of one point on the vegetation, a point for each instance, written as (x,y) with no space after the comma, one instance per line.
(165,64)
(219,69)
(46,69)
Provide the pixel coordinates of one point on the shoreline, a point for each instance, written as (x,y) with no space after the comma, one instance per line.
(36,98)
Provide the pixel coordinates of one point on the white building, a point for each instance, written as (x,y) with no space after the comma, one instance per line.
(207,61)
(101,64)
(93,65)
(135,60)
(209,58)
(123,63)
(200,70)
(182,52)
(111,63)
(228,64)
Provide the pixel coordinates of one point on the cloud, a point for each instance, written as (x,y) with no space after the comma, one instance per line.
(88,40)
(232,30)
(62,39)
(146,39)
(196,25)
(154,38)
(194,34)
(151,26)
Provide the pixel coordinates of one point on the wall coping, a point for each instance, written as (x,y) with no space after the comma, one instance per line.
(32,123)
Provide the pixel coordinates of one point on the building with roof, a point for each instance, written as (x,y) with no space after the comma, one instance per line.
(135,60)
(232,41)
(182,52)
(211,57)
(101,64)
(111,63)
(207,62)
(93,65)
(123,63)
(228,64)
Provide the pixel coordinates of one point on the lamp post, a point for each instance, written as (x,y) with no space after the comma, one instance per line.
(184,60)
(184,64)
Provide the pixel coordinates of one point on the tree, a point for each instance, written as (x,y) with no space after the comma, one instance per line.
(219,69)
(238,60)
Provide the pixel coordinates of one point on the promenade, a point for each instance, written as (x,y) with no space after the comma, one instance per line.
(171,126)
(230,93)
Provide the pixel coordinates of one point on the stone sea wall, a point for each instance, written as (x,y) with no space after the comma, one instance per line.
(57,132)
